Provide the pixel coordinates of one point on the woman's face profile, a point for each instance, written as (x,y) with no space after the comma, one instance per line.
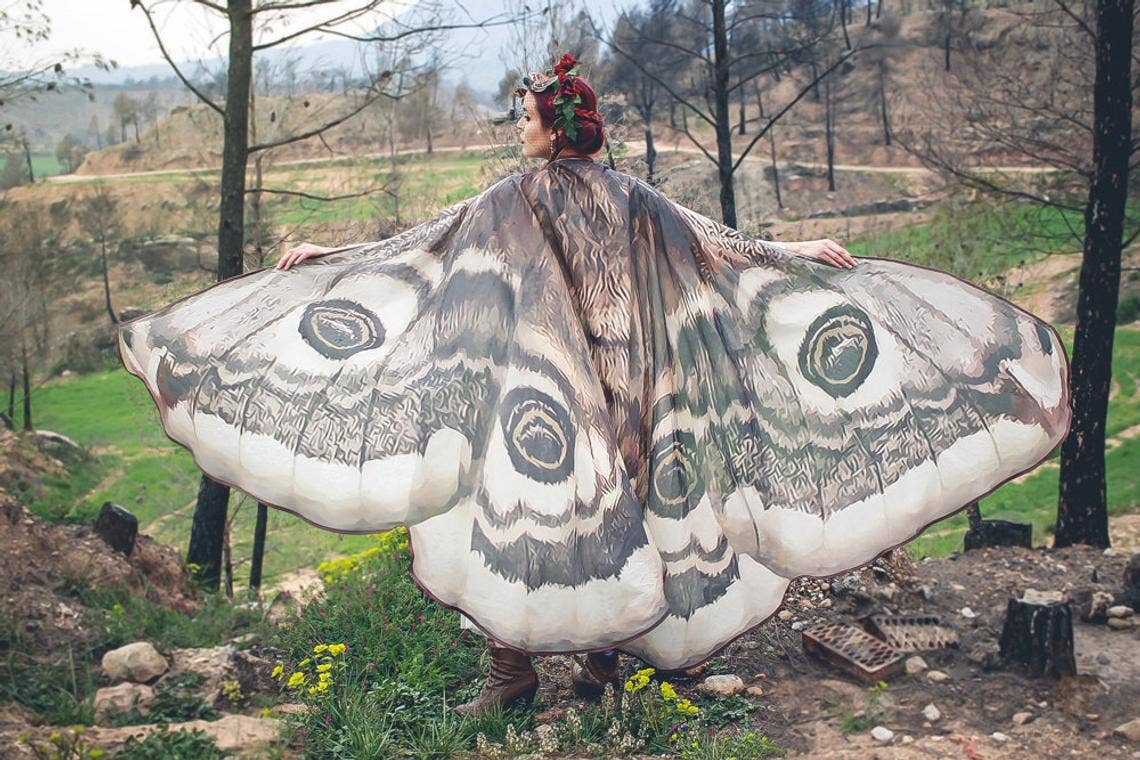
(535,138)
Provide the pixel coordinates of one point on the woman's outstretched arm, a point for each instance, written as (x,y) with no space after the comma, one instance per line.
(299,253)
(825,250)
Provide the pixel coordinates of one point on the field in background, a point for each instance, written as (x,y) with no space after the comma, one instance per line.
(137,466)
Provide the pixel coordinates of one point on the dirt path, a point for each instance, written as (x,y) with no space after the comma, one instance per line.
(635,147)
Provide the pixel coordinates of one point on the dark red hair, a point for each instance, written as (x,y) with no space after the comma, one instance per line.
(591,127)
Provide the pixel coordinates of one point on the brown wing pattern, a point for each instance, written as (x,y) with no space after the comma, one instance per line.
(597,410)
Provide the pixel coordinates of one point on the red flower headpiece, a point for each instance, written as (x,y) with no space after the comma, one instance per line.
(569,116)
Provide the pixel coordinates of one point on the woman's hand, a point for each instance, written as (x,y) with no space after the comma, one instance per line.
(299,253)
(826,250)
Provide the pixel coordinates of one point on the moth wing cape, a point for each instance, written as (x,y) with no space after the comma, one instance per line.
(606,419)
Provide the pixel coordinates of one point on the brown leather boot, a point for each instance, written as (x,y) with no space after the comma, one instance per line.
(512,678)
(591,673)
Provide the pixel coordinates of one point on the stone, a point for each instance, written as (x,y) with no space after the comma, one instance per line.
(915,665)
(1132,572)
(138,661)
(118,527)
(999,737)
(937,676)
(882,734)
(754,691)
(1092,606)
(968,613)
(907,740)
(1120,624)
(785,615)
(722,686)
(1129,730)
(121,697)
(59,446)
(931,713)
(240,735)
(1119,611)
(1021,718)
(799,625)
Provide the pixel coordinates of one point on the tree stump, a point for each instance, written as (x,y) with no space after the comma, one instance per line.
(1038,632)
(118,527)
(983,533)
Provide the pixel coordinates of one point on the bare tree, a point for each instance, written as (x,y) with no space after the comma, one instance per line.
(1041,99)
(713,69)
(271,19)
(99,217)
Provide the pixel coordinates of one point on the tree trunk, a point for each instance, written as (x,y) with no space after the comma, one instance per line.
(869,12)
(723,127)
(28,158)
(742,128)
(207,532)
(107,283)
(1082,509)
(843,6)
(883,101)
(12,396)
(27,387)
(255,560)
(650,153)
(1039,633)
(828,132)
(946,49)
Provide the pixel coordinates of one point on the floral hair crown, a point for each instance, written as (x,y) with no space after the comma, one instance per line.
(569,115)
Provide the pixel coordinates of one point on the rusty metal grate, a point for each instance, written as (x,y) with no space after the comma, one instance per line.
(911,633)
(853,650)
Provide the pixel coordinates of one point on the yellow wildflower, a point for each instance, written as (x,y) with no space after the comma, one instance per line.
(320,648)
(296,680)
(324,676)
(304,662)
(323,667)
(667,690)
(335,649)
(278,672)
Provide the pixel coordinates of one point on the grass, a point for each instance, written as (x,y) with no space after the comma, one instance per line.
(977,241)
(46,165)
(138,467)
(405,663)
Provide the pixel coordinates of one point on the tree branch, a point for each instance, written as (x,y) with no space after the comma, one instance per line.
(178,72)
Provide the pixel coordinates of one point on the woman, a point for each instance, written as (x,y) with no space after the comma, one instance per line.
(607,421)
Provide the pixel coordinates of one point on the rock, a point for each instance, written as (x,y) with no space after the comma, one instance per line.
(1021,718)
(1092,606)
(907,739)
(1119,611)
(118,527)
(931,713)
(754,691)
(1103,659)
(799,625)
(927,592)
(785,615)
(937,676)
(1120,624)
(1129,730)
(1109,552)
(121,697)
(882,734)
(289,708)
(722,686)
(915,665)
(138,661)
(968,613)
(999,737)
(1132,572)
(59,446)
(234,734)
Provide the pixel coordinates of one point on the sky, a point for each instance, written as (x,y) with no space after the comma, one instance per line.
(111,28)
